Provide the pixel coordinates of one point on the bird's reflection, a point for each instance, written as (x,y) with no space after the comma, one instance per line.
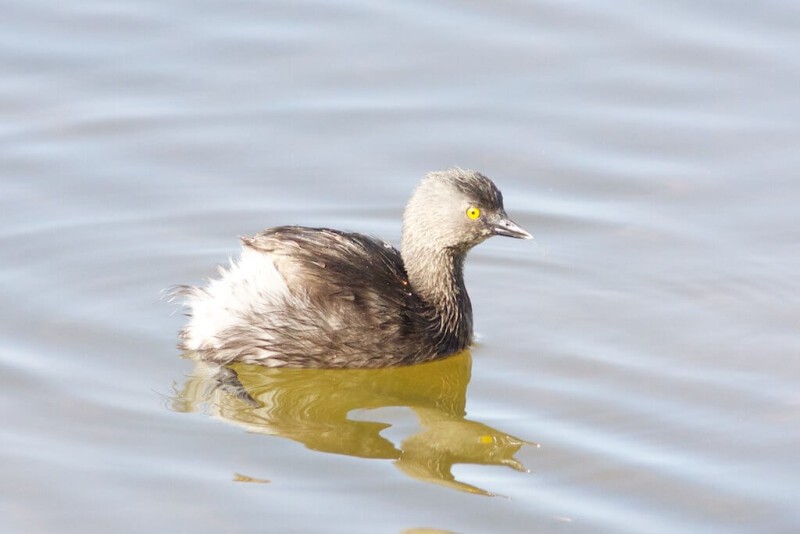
(311,406)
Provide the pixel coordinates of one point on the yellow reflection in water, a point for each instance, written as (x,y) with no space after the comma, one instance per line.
(311,406)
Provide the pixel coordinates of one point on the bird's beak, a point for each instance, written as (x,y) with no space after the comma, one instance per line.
(507,227)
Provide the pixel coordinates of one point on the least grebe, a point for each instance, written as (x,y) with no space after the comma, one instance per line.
(316,297)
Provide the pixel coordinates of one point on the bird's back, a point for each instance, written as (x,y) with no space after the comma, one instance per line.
(311,297)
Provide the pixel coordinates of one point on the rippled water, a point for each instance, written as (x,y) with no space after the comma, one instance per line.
(641,357)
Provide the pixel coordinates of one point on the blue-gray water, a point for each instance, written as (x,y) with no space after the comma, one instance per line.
(648,339)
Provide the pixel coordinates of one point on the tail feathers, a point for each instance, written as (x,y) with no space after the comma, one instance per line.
(178,294)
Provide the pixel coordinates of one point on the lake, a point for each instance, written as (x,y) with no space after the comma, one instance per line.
(637,365)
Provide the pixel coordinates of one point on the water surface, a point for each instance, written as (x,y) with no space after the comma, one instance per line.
(647,339)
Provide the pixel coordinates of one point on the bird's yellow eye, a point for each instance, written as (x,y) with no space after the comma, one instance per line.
(473,212)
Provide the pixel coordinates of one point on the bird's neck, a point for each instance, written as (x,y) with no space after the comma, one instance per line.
(437,276)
